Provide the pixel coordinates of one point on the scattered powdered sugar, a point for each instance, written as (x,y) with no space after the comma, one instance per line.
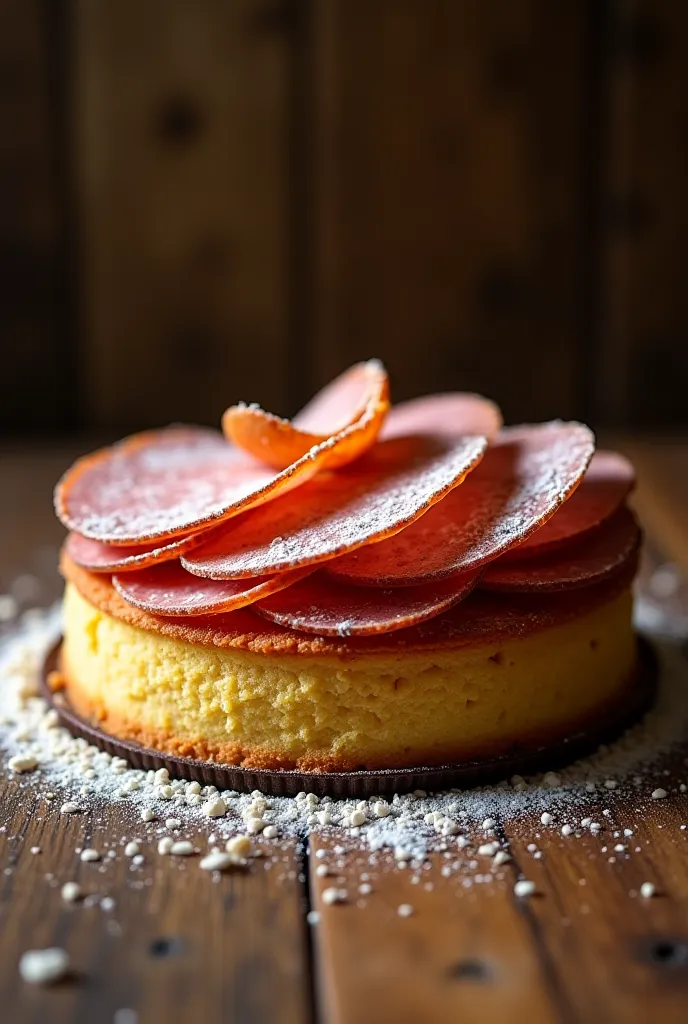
(75,777)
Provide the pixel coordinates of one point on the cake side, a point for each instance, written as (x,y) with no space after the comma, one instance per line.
(329,712)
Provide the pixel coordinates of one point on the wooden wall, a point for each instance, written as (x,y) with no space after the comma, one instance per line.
(207,201)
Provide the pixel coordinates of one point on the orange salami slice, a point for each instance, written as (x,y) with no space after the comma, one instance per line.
(96,556)
(169,589)
(608,481)
(317,605)
(347,414)
(450,414)
(521,482)
(164,483)
(600,555)
(389,487)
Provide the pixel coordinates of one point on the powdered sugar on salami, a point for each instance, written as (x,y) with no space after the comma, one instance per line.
(160,484)
(96,556)
(599,555)
(521,482)
(347,414)
(170,590)
(452,414)
(380,494)
(607,482)
(318,605)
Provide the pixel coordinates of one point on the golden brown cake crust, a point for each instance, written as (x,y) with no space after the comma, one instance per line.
(483,618)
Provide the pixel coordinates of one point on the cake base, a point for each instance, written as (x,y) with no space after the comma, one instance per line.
(633,702)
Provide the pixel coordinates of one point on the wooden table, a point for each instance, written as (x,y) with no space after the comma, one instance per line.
(180,948)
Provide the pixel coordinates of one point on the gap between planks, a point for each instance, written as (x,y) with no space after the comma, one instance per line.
(572,953)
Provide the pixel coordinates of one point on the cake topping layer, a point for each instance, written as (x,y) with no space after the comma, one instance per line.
(594,558)
(98,556)
(163,483)
(168,589)
(347,414)
(451,415)
(607,482)
(322,606)
(390,487)
(417,503)
(523,479)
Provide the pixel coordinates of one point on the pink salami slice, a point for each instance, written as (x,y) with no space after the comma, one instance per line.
(164,483)
(523,479)
(96,556)
(601,554)
(608,481)
(450,415)
(394,483)
(347,414)
(318,605)
(168,589)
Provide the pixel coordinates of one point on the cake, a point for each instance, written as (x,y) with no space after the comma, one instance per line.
(386,587)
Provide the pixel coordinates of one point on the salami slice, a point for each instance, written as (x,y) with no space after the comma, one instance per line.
(347,414)
(608,481)
(521,482)
(318,605)
(96,556)
(601,554)
(164,483)
(169,589)
(394,483)
(451,415)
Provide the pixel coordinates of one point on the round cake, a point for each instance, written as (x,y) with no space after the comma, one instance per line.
(390,588)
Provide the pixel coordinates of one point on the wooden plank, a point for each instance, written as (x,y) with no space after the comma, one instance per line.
(177,946)
(182,166)
(37,384)
(447,173)
(586,947)
(463,955)
(642,355)
(617,956)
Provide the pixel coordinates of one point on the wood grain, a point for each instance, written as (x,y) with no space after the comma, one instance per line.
(447,168)
(586,947)
(642,358)
(588,919)
(37,384)
(177,946)
(181,157)
(462,955)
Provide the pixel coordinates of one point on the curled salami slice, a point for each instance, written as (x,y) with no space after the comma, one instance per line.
(394,483)
(96,556)
(608,481)
(163,483)
(521,482)
(347,414)
(450,414)
(169,589)
(318,605)
(600,555)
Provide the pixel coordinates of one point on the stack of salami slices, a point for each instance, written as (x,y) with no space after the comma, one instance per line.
(354,518)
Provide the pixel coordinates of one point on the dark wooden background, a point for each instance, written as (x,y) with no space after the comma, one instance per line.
(221,199)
